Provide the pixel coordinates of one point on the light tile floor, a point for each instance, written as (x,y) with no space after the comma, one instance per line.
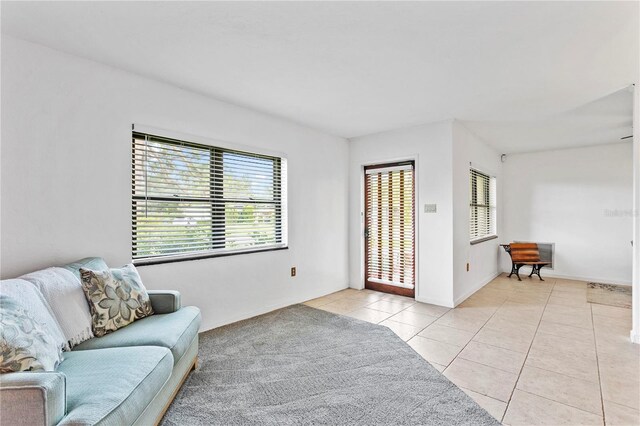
(529,352)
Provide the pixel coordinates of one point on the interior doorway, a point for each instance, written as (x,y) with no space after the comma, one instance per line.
(390,228)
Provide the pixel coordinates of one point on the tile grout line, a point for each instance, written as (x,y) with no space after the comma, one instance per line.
(529,350)
(557,402)
(563,374)
(368,304)
(526,355)
(506,349)
(428,325)
(421,329)
(476,333)
(486,396)
(595,347)
(470,340)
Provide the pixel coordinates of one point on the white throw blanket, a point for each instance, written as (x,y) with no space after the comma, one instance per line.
(63,292)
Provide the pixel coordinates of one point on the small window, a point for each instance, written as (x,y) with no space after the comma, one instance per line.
(482,223)
(191,200)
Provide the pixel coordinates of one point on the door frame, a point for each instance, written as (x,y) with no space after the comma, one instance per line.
(416,224)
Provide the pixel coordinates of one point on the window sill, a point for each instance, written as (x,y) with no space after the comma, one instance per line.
(173,259)
(483,239)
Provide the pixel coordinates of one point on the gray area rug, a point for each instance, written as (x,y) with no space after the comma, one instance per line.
(609,294)
(301,365)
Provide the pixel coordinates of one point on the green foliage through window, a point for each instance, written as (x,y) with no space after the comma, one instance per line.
(198,199)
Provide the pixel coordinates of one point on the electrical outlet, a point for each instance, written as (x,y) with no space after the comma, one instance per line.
(293,271)
(467,266)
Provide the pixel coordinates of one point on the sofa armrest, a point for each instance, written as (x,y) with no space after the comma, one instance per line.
(164,301)
(33,398)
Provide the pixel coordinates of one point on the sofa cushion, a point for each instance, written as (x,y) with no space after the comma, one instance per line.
(63,292)
(174,331)
(113,385)
(116,297)
(93,263)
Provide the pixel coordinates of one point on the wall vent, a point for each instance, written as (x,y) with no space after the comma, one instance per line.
(547,253)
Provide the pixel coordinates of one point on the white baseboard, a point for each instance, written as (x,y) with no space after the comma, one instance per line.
(549,273)
(432,301)
(448,303)
(475,288)
(268,308)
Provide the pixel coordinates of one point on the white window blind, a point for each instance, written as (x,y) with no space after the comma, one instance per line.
(192,200)
(482,222)
(389,226)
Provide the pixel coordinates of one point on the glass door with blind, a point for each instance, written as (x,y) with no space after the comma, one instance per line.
(390,228)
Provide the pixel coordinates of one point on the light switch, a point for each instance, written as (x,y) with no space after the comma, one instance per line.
(430,208)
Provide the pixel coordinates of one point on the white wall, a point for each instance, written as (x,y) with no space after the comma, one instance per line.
(482,257)
(582,200)
(442,152)
(430,147)
(635,332)
(65,182)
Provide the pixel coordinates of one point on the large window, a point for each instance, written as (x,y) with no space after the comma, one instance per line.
(482,223)
(191,200)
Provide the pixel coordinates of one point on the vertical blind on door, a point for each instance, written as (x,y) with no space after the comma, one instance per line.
(389,225)
(192,200)
(482,205)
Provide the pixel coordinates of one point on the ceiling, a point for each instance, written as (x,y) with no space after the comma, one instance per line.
(605,120)
(356,68)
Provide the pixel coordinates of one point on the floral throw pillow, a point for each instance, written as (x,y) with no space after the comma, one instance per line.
(24,343)
(116,298)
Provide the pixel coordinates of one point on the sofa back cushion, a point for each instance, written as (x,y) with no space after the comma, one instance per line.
(30,337)
(63,292)
(116,298)
(93,263)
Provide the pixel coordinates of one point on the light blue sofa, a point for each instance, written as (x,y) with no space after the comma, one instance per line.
(128,377)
